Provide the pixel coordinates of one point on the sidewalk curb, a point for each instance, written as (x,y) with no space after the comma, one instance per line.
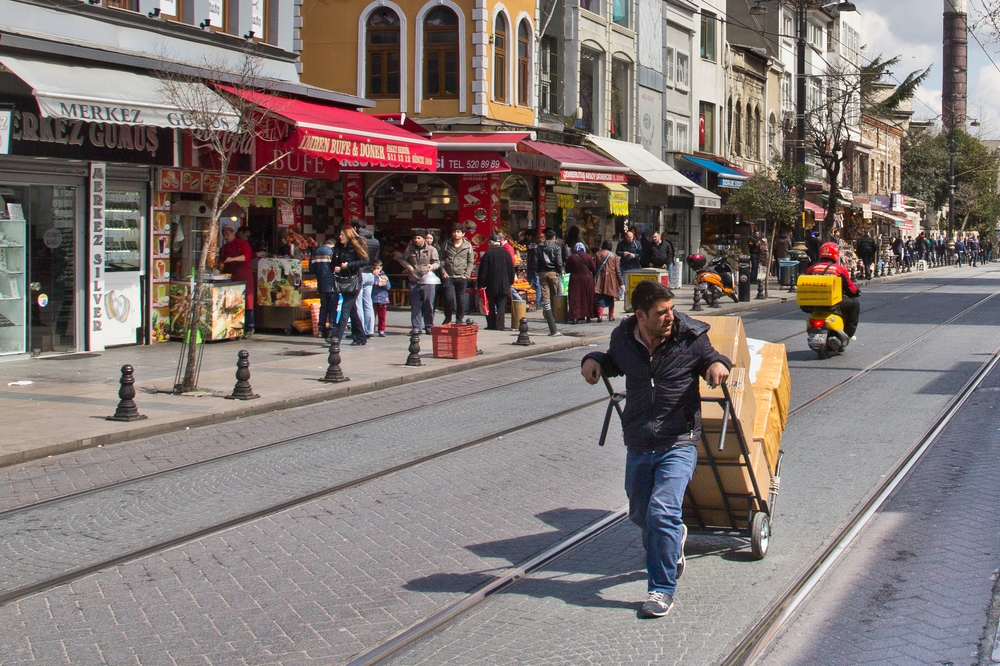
(257,407)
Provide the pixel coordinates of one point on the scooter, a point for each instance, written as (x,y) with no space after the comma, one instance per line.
(718,279)
(825,331)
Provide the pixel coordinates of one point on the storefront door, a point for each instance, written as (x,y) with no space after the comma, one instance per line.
(51,293)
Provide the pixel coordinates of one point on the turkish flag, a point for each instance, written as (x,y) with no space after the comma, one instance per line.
(701,131)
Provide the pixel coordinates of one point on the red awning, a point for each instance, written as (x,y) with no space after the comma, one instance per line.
(818,211)
(352,138)
(576,164)
(506,141)
(403,122)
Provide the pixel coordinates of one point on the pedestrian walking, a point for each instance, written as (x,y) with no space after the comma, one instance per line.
(329,297)
(457,262)
(659,253)
(662,354)
(380,297)
(363,308)
(582,298)
(607,280)
(495,276)
(960,251)
(549,258)
(867,251)
(629,252)
(753,249)
(350,255)
(420,260)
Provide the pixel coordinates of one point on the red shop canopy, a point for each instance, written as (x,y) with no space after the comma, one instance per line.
(576,164)
(819,213)
(352,138)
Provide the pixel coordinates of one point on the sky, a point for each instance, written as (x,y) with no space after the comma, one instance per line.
(912,29)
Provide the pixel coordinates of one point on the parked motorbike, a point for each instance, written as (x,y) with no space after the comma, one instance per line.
(715,280)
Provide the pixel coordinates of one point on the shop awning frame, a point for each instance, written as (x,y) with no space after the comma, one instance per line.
(714,167)
(466,141)
(116,96)
(819,213)
(575,164)
(355,140)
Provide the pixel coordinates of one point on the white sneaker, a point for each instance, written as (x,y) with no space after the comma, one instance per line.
(854,337)
(657,605)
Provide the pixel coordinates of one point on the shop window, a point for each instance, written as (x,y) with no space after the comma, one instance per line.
(548,75)
(706,127)
(863,175)
(523,65)
(500,58)
(382,46)
(441,53)
(590,78)
(681,145)
(621,95)
(668,135)
(708,22)
(620,12)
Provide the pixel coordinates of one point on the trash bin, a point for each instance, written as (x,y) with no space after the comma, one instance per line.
(788,272)
(559,309)
(743,286)
(518,309)
(632,278)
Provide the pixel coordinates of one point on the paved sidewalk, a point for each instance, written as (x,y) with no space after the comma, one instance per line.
(64,407)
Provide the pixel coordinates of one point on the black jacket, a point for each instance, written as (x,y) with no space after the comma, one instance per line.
(549,257)
(663,408)
(496,272)
(373,247)
(659,256)
(867,246)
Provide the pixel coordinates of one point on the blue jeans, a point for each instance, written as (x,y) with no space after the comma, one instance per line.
(329,303)
(655,485)
(363,306)
(536,285)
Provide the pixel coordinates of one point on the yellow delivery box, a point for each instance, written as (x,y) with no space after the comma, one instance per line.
(822,291)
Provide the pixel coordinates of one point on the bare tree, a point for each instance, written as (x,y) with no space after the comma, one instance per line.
(223,127)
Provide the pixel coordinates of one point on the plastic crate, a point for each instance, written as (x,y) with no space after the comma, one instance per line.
(454,340)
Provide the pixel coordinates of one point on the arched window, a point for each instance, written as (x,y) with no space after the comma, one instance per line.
(738,127)
(757,126)
(500,58)
(523,70)
(729,121)
(382,50)
(441,53)
(748,131)
(772,137)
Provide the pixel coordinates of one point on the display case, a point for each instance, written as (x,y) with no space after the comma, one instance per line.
(223,309)
(12,264)
(280,294)
(123,217)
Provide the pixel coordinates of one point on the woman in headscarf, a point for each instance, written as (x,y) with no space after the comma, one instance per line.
(582,299)
(607,280)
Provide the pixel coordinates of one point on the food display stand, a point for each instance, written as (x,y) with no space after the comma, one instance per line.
(223,309)
(280,296)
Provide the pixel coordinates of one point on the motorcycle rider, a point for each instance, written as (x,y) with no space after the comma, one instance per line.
(829,264)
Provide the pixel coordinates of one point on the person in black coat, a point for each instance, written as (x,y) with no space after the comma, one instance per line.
(659,253)
(496,276)
(350,255)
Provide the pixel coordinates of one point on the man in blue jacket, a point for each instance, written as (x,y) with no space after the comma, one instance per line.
(662,353)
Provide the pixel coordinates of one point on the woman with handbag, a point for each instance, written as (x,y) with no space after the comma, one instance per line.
(582,301)
(607,280)
(350,255)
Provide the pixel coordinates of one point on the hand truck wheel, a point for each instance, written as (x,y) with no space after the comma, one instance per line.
(760,535)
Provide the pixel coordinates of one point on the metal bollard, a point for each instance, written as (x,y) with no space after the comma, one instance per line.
(242,389)
(126,410)
(760,290)
(522,334)
(413,360)
(696,307)
(334,375)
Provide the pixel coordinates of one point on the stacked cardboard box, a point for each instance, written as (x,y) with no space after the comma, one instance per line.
(704,503)
(772,391)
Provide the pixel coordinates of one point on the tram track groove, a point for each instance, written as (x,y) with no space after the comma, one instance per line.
(16,594)
(762,633)
(256,449)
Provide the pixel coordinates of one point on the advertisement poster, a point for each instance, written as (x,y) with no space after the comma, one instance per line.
(159,324)
(479,207)
(354,197)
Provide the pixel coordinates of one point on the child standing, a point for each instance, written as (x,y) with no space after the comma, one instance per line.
(380,296)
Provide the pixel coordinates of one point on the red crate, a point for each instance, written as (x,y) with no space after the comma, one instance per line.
(454,340)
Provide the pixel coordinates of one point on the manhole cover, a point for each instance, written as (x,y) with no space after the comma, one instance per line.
(297,352)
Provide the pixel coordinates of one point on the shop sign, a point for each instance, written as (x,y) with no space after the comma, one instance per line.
(731,183)
(361,154)
(95,261)
(5,121)
(881,202)
(208,182)
(532,163)
(542,205)
(898,202)
(692,175)
(470,162)
(706,202)
(354,196)
(524,206)
(35,136)
(580,176)
(293,163)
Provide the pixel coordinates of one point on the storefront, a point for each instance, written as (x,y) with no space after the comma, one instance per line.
(75,210)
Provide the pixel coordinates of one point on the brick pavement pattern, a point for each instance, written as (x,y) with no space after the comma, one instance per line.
(917,585)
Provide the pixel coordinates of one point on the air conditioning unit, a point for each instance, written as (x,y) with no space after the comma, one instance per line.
(191,208)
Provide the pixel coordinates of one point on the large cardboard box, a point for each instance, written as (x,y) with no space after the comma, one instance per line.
(728,338)
(822,291)
(704,492)
(773,376)
(743,416)
(767,428)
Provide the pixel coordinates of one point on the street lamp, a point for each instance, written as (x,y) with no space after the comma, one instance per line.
(759,9)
